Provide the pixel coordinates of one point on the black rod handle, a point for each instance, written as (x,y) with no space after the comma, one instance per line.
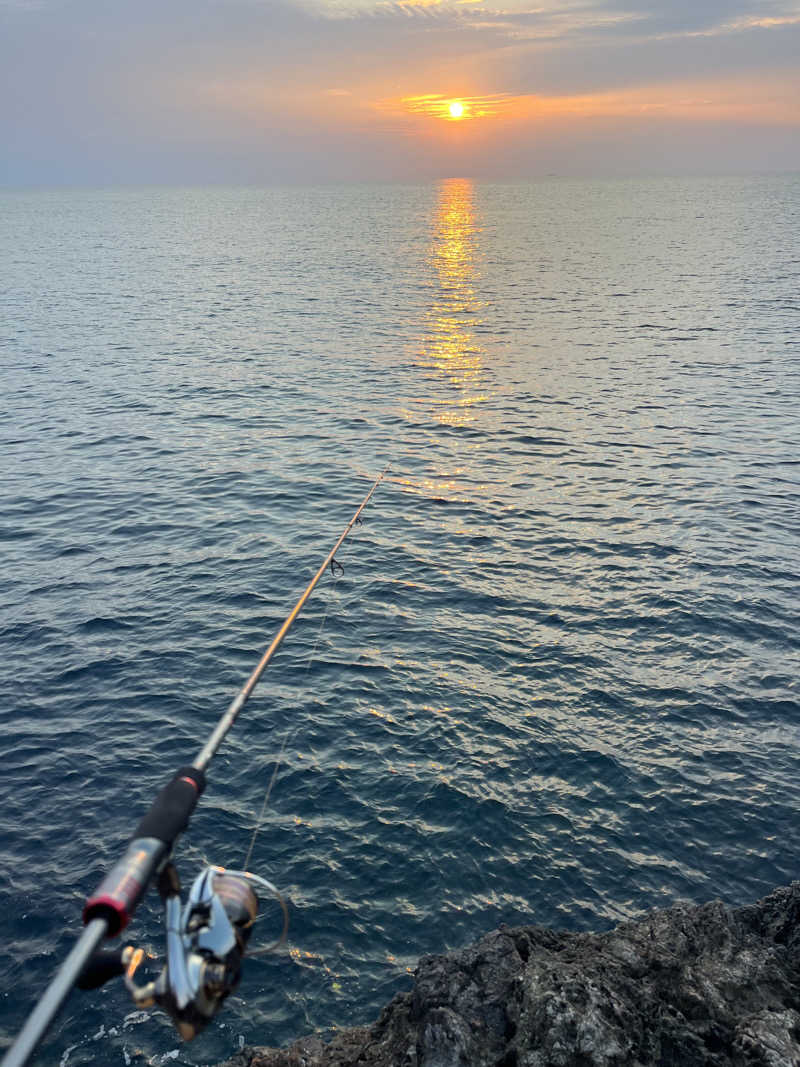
(118,895)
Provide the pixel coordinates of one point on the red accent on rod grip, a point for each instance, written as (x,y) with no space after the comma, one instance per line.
(122,888)
(106,907)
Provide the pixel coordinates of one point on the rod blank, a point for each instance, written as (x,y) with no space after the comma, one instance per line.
(207,752)
(54,996)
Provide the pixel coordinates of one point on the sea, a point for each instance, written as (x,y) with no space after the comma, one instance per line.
(555,679)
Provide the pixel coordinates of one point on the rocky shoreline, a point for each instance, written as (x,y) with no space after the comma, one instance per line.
(691,985)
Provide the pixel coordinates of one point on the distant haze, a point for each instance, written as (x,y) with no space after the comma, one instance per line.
(249,91)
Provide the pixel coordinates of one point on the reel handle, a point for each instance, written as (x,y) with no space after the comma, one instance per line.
(102,967)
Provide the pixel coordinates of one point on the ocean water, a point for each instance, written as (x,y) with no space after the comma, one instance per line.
(557,680)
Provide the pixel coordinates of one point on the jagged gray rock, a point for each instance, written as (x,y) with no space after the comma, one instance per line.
(689,986)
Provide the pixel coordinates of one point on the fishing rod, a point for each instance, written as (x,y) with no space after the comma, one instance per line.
(206,937)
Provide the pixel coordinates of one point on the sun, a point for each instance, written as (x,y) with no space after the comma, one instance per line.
(456,109)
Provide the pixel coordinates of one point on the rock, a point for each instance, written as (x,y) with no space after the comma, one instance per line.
(689,986)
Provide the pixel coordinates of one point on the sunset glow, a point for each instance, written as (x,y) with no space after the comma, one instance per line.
(438,106)
(456,87)
(773,99)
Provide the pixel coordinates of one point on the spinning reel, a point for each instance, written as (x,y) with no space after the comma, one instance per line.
(206,942)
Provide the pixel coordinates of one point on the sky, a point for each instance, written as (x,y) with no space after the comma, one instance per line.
(106,92)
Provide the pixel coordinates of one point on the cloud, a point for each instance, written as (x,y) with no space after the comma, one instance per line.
(690,16)
(434,105)
(276,87)
(774,100)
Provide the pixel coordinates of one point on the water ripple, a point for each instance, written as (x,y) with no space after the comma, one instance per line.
(557,680)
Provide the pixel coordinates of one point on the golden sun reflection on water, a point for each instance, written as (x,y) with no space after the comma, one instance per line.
(449,345)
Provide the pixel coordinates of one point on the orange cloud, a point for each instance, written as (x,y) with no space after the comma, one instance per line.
(775,101)
(437,105)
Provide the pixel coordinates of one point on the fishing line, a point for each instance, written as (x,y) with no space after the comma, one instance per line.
(288,735)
